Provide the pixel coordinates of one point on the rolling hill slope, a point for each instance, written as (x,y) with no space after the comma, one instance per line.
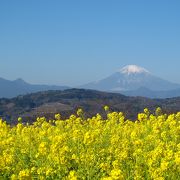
(68,101)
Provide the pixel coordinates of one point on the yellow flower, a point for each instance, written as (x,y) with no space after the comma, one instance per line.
(49,171)
(19,119)
(107,178)
(80,112)
(72,175)
(164,165)
(43,148)
(24,174)
(106,108)
(58,116)
(14,177)
(113,148)
(115,164)
(146,111)
(116,174)
(103,166)
(177,159)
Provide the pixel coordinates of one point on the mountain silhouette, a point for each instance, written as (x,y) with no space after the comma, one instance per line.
(134,80)
(9,89)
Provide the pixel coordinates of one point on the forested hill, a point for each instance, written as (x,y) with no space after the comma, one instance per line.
(68,101)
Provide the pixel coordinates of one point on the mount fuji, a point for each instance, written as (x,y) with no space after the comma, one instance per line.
(136,81)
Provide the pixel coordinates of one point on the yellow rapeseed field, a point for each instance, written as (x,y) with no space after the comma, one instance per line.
(95,148)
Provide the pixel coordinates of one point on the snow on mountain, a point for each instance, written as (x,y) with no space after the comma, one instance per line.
(130,69)
(130,78)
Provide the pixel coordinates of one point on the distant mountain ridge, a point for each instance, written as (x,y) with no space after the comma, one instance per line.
(131,79)
(9,89)
(145,92)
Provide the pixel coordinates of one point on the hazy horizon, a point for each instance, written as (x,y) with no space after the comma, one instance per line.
(75,42)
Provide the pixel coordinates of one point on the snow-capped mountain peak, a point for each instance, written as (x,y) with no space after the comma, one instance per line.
(132,78)
(133,69)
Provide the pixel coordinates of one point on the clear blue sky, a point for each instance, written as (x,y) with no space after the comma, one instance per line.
(72,42)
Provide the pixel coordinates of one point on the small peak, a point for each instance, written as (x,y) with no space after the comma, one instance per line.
(19,80)
(133,69)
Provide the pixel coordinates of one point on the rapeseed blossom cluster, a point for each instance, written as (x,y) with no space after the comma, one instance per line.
(94,148)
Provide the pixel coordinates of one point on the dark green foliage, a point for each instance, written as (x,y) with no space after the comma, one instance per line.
(68,101)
